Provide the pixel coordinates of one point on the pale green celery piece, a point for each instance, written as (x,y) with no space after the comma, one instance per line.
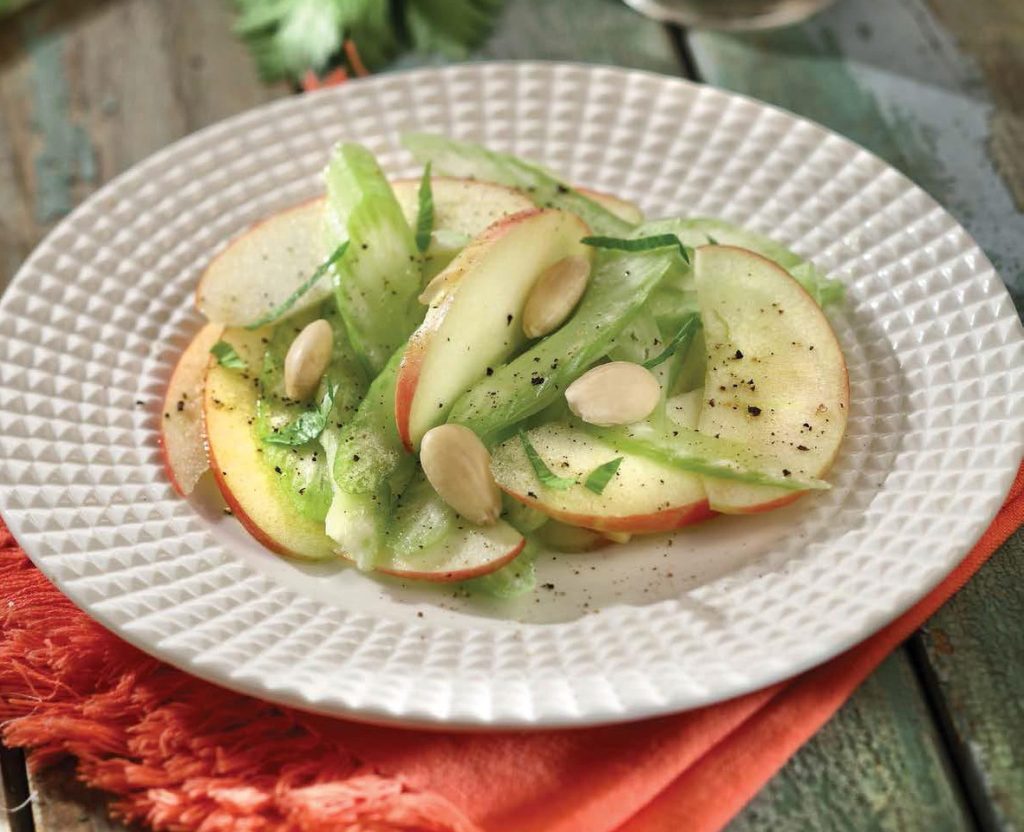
(523,518)
(516,578)
(618,289)
(420,519)
(472,161)
(701,231)
(378,279)
(639,341)
(690,450)
(369,465)
(468,160)
(306,476)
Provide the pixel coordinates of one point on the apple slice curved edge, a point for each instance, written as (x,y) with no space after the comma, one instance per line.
(182,444)
(229,402)
(776,378)
(642,497)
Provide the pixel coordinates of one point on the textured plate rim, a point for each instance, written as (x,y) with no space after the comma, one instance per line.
(373,713)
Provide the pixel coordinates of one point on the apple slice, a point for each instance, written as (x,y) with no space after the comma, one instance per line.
(776,379)
(467,552)
(181,425)
(622,208)
(474,319)
(261,267)
(461,206)
(229,403)
(644,496)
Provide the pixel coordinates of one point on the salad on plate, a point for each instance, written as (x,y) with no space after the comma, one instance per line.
(438,378)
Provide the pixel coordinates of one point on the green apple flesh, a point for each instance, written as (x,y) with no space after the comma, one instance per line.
(776,379)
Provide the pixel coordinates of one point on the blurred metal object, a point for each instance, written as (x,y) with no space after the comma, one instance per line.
(730,15)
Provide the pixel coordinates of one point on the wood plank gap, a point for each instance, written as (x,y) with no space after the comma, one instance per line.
(16,794)
(962,766)
(681,44)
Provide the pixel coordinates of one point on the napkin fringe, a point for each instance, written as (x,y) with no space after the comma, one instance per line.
(175,752)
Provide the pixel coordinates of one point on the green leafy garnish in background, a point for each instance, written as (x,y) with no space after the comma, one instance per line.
(289,37)
(282,308)
(306,427)
(640,244)
(226,356)
(425,213)
(599,478)
(547,478)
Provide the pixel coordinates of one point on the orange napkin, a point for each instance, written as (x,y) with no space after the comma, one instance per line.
(178,753)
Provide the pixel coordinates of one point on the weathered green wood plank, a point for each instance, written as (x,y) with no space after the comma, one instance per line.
(872,767)
(973,652)
(944,105)
(593,31)
(590,31)
(890,77)
(88,88)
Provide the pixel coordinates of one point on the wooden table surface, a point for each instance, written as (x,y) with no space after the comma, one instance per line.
(934,740)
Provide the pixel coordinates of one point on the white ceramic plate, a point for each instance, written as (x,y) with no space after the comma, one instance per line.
(91,326)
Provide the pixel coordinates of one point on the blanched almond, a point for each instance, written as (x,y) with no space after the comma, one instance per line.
(459,467)
(617,393)
(555,295)
(307,359)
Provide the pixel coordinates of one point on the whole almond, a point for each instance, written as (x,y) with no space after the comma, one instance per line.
(555,294)
(307,359)
(459,467)
(617,393)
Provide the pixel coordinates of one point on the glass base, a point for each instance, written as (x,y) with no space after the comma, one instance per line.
(729,15)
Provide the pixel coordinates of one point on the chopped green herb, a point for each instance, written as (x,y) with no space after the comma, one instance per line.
(712,240)
(544,474)
(282,308)
(425,214)
(226,356)
(640,244)
(602,475)
(307,427)
(691,323)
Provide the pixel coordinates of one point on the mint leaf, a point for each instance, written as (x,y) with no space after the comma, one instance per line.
(307,427)
(599,478)
(691,323)
(655,241)
(547,478)
(283,307)
(425,214)
(226,356)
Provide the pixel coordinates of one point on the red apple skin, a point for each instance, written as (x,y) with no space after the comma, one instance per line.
(662,521)
(229,399)
(189,375)
(239,513)
(416,350)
